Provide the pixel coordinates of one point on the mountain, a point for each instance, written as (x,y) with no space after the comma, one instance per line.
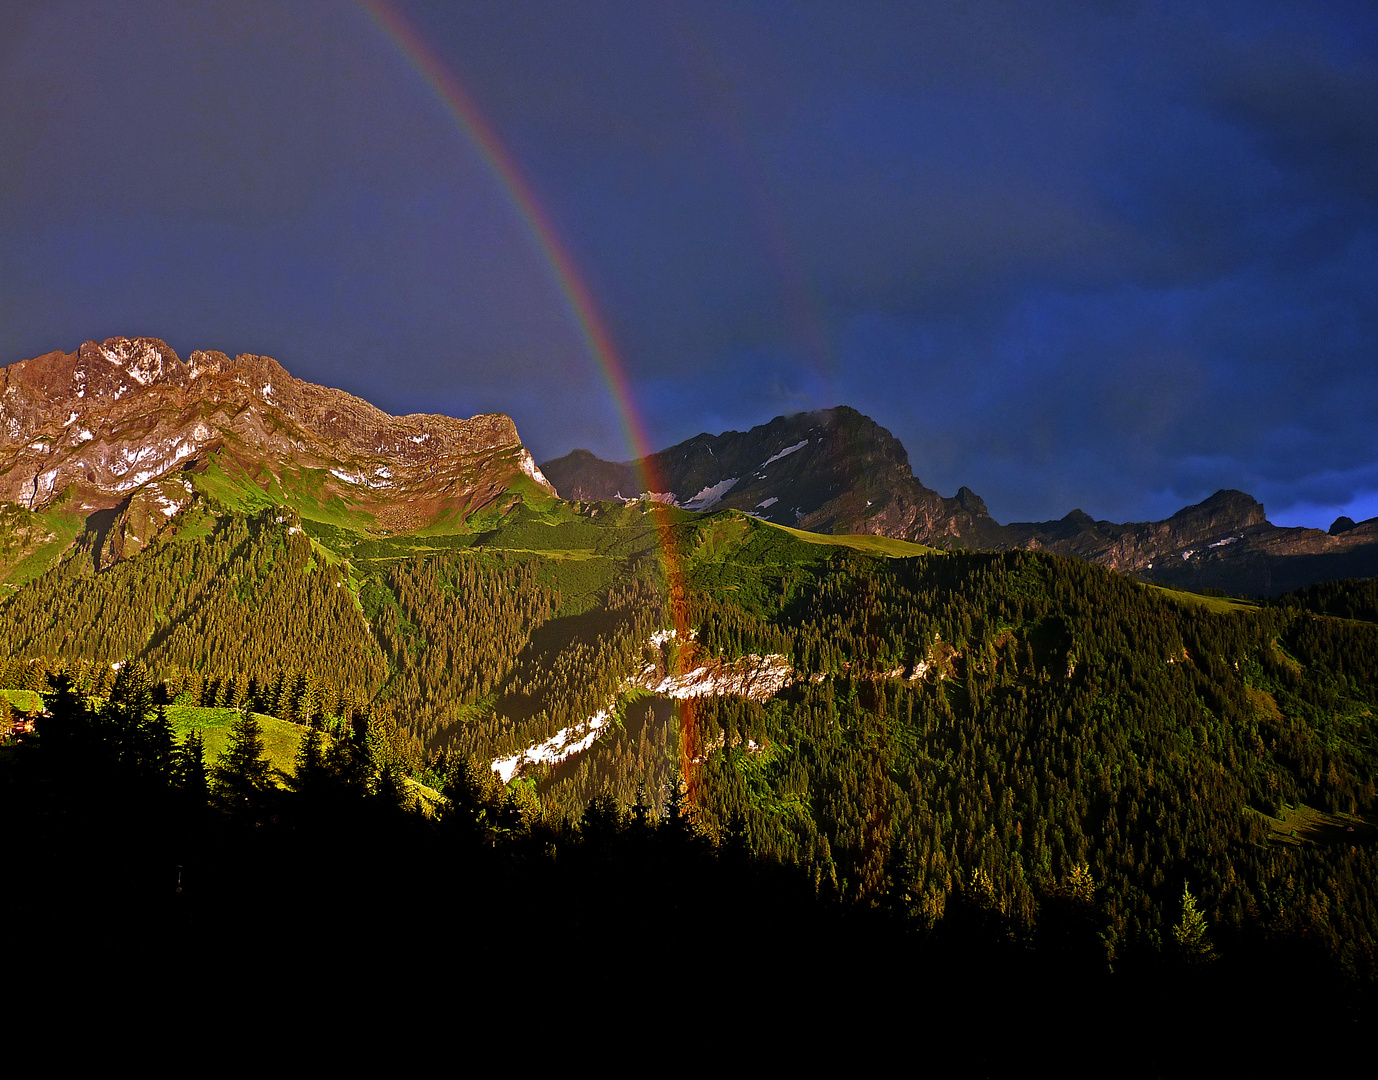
(837,471)
(96,427)
(833,471)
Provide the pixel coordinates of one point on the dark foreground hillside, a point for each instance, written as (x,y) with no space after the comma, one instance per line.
(132,864)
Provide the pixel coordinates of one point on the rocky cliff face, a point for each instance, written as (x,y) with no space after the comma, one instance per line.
(838,471)
(101,423)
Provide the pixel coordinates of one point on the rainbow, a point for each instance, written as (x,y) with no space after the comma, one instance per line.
(801,305)
(598,339)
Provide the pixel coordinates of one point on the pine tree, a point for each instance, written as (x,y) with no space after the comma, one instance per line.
(677,827)
(191,769)
(388,789)
(347,759)
(68,714)
(239,691)
(1190,933)
(243,775)
(304,701)
(158,747)
(126,721)
(310,763)
(1081,886)
(131,696)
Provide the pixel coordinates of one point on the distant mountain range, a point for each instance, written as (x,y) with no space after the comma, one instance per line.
(838,471)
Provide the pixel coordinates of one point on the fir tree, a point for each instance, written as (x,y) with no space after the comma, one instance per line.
(1190,933)
(243,775)
(131,697)
(158,747)
(310,764)
(191,769)
(68,714)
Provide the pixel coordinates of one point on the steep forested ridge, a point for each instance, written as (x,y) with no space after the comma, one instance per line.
(1087,721)
(247,598)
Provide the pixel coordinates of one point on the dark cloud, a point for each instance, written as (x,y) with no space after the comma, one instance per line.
(1112,256)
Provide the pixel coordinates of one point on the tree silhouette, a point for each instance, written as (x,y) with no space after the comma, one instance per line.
(243,776)
(191,770)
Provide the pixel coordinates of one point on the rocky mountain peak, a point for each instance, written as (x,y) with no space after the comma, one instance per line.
(830,470)
(1224,511)
(968,500)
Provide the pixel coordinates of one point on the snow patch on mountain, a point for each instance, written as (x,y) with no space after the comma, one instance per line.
(141,360)
(710,496)
(180,452)
(785,452)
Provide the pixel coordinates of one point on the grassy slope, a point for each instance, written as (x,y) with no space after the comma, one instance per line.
(24,701)
(301,489)
(872,545)
(1221,605)
(1301,824)
(29,561)
(280,738)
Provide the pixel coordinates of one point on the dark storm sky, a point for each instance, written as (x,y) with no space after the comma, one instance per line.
(1113,256)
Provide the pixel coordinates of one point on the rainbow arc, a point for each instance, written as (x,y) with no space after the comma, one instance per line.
(592,327)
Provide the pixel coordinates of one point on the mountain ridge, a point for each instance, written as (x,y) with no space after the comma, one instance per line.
(100,423)
(838,471)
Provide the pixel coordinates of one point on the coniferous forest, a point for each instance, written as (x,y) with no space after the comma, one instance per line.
(1012,771)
